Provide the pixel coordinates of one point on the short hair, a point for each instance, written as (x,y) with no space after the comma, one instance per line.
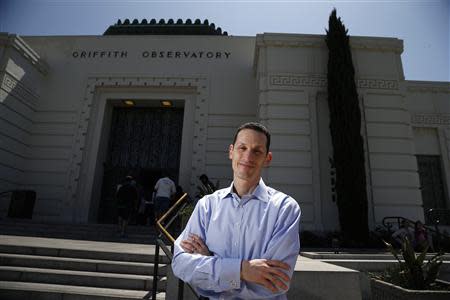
(257,127)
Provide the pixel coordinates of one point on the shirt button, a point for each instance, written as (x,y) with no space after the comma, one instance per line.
(235,243)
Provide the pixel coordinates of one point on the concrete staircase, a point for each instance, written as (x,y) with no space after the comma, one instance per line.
(92,232)
(52,268)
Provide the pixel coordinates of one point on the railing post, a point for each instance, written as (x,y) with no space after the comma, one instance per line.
(180,289)
(438,233)
(169,253)
(155,272)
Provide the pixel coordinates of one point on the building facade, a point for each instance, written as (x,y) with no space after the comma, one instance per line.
(68,134)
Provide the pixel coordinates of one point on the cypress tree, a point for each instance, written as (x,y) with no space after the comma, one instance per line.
(345,128)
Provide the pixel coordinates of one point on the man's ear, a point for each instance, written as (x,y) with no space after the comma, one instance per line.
(230,151)
(268,159)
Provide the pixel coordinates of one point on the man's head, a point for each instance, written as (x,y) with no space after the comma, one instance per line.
(257,127)
(204,178)
(249,152)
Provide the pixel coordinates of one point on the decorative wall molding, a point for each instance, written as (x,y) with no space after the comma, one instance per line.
(431,119)
(291,43)
(377,44)
(11,86)
(429,88)
(290,80)
(318,41)
(297,80)
(16,42)
(382,84)
(93,83)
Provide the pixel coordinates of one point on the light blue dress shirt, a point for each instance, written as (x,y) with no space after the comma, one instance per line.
(264,224)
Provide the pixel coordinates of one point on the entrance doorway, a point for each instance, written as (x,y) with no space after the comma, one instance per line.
(144,142)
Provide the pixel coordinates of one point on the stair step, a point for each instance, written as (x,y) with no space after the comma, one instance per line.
(79,249)
(97,232)
(13,290)
(32,224)
(77,264)
(40,268)
(80,278)
(130,238)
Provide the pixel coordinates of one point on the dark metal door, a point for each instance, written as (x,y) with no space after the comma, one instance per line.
(143,143)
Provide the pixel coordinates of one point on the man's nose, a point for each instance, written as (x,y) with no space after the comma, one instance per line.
(248,155)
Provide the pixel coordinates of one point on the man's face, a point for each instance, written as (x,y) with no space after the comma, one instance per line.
(249,155)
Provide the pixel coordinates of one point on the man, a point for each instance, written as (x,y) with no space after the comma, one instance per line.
(127,197)
(163,192)
(207,186)
(241,242)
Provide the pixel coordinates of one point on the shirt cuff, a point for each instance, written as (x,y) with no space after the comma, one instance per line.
(231,273)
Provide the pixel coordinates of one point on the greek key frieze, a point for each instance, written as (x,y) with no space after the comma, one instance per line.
(377,84)
(295,80)
(289,80)
(431,119)
(9,83)
(12,86)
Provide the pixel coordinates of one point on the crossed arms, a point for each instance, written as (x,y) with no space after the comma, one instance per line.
(265,272)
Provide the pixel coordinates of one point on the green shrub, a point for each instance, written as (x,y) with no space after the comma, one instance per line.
(412,272)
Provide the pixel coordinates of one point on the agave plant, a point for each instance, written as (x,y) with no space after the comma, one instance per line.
(411,271)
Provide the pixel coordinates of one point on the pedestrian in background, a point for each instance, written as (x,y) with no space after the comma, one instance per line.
(127,198)
(163,192)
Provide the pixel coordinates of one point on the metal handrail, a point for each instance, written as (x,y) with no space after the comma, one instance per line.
(440,235)
(400,220)
(169,252)
(160,220)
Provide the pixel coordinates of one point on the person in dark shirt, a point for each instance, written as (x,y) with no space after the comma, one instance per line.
(127,197)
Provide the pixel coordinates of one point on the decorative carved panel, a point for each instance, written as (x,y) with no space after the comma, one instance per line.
(12,86)
(288,81)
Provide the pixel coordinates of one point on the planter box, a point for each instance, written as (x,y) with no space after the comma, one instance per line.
(382,290)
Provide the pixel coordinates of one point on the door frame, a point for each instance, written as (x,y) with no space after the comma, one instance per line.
(86,174)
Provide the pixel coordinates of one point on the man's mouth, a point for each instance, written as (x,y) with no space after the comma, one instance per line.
(246,165)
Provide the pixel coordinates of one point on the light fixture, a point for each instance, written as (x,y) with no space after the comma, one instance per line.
(128,102)
(166,103)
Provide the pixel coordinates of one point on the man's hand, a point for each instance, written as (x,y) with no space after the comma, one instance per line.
(266,272)
(194,244)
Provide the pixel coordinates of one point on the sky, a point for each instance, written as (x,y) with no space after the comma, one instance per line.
(424,26)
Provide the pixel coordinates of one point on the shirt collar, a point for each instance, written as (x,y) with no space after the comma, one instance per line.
(260,192)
